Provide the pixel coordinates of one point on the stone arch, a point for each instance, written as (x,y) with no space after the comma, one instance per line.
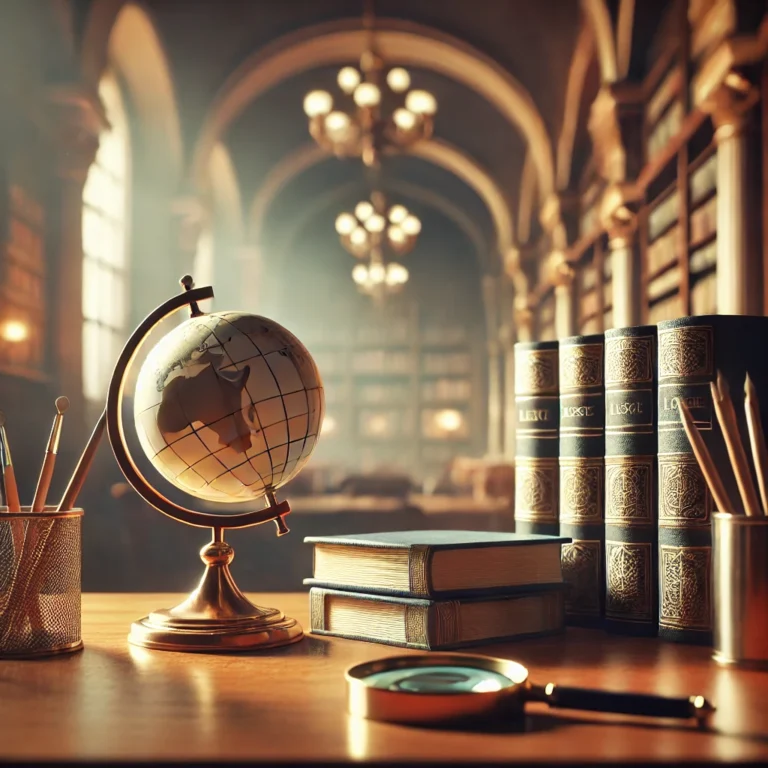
(599,17)
(405,42)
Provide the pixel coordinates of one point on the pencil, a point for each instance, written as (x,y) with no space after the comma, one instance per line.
(46,471)
(726,415)
(756,439)
(706,464)
(81,471)
(11,490)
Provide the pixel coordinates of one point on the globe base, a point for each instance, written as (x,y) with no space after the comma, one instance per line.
(217,616)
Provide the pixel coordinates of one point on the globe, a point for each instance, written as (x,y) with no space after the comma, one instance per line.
(228,406)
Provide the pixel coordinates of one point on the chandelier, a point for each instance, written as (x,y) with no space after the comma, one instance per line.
(376,112)
(370,233)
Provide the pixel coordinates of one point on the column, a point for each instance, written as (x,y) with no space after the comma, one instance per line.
(76,119)
(729,107)
(565,301)
(495,393)
(189,218)
(626,289)
(253,295)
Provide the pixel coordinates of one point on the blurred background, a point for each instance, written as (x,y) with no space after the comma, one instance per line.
(409,187)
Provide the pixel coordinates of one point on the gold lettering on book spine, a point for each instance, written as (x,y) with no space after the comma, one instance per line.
(684,500)
(685,587)
(628,581)
(418,570)
(536,371)
(581,490)
(417,624)
(581,365)
(536,490)
(686,352)
(629,360)
(629,490)
(580,562)
(317,609)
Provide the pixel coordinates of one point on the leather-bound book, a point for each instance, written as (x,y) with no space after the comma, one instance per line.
(536,448)
(631,540)
(582,450)
(691,351)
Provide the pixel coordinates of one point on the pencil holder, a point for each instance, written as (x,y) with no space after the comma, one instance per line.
(741,590)
(40,587)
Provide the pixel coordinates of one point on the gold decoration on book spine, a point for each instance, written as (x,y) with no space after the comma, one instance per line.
(629,360)
(629,489)
(684,587)
(628,580)
(447,622)
(685,352)
(536,490)
(581,490)
(684,499)
(417,624)
(536,371)
(580,562)
(581,365)
(317,609)
(418,570)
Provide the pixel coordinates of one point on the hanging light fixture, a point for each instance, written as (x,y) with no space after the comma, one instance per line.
(377,233)
(377,112)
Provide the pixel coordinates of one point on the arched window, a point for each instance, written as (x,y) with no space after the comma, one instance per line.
(105,252)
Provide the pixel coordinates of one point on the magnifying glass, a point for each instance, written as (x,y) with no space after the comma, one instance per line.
(441,688)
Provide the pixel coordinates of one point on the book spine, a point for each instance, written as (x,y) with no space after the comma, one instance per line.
(419,571)
(631,533)
(536,447)
(582,451)
(685,368)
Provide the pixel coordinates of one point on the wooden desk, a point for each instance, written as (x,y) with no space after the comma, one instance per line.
(113,701)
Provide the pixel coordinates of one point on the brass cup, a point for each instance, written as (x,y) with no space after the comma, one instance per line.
(741,590)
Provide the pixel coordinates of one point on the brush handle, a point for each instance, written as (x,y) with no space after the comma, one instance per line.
(11,490)
(83,466)
(44,482)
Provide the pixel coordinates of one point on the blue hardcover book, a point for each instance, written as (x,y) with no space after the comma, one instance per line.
(436,563)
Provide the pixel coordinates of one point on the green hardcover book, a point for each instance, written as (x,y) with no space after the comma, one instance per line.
(691,351)
(434,624)
(582,452)
(536,450)
(436,563)
(631,569)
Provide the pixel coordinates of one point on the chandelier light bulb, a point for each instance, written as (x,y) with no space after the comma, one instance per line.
(363,210)
(360,274)
(397,274)
(348,79)
(337,122)
(411,225)
(421,102)
(367,95)
(375,223)
(396,235)
(345,223)
(358,236)
(398,79)
(377,273)
(398,214)
(317,103)
(404,119)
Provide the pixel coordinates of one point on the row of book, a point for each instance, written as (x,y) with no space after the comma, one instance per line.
(602,458)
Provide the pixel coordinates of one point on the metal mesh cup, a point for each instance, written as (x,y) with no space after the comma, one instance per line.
(40,588)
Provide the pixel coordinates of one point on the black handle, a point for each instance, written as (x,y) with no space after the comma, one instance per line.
(593,700)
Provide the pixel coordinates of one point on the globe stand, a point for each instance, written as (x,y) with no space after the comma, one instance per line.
(216,616)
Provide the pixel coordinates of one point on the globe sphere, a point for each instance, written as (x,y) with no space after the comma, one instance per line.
(228,406)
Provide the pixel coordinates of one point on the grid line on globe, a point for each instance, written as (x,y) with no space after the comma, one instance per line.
(228,406)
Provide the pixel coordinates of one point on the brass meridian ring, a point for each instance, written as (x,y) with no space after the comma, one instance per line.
(115,431)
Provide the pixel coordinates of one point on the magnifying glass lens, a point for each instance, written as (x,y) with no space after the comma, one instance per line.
(438,679)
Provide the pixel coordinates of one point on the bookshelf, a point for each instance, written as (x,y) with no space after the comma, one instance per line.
(546,316)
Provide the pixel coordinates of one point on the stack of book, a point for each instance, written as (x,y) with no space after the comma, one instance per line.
(436,589)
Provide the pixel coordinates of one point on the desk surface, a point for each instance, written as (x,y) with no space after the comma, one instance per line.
(116,701)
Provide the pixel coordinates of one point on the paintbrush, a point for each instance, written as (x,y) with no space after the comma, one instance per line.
(81,471)
(11,490)
(706,464)
(756,439)
(49,462)
(726,415)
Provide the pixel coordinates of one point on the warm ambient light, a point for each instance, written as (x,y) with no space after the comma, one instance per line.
(348,79)
(337,122)
(449,420)
(345,223)
(398,214)
(421,102)
(398,79)
(14,331)
(404,119)
(367,95)
(375,223)
(317,103)
(411,225)
(329,425)
(363,210)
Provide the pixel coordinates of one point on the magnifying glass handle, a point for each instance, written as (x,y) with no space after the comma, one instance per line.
(593,700)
